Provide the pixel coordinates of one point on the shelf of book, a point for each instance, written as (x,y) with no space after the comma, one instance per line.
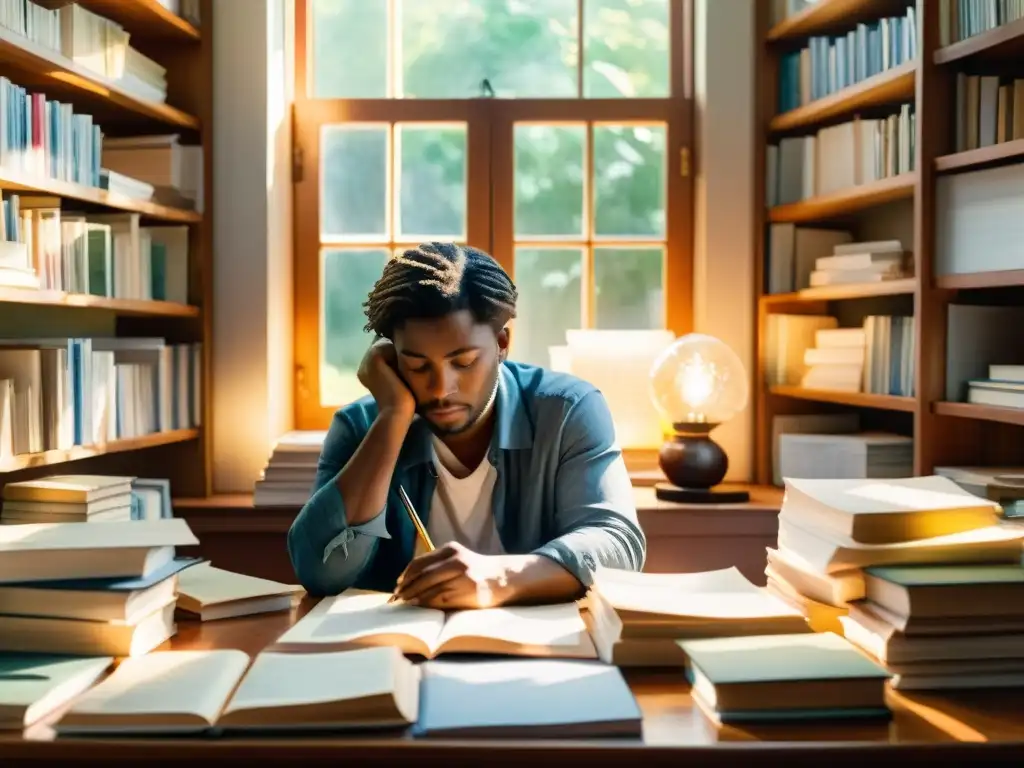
(1013,416)
(79,452)
(947,187)
(853,399)
(31,64)
(148,20)
(14,181)
(127,307)
(184,57)
(845,202)
(842,292)
(1005,153)
(889,87)
(826,15)
(1005,42)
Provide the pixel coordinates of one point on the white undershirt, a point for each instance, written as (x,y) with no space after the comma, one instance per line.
(460,509)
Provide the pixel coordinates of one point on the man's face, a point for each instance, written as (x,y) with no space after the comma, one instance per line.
(451,366)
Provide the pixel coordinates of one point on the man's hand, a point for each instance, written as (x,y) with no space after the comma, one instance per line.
(378,372)
(455,578)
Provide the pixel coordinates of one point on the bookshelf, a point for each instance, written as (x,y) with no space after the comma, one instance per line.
(914,203)
(177,447)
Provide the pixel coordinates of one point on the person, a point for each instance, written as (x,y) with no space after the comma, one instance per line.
(513,469)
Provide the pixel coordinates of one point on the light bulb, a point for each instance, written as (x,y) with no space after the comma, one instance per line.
(698,380)
(696,386)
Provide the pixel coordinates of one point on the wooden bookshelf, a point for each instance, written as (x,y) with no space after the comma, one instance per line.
(984,157)
(185,50)
(843,292)
(853,399)
(35,66)
(134,307)
(145,20)
(999,44)
(81,452)
(845,202)
(993,413)
(1009,278)
(12,181)
(830,15)
(945,433)
(889,87)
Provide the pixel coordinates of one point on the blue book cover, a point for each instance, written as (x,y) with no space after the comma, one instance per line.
(117,584)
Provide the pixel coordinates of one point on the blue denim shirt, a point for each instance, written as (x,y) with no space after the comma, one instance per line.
(562,489)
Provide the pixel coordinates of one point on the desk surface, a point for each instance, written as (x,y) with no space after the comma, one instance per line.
(967,729)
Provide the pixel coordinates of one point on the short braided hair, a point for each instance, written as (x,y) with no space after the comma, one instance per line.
(437,279)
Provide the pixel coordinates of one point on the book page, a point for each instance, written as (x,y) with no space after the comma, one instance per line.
(165,532)
(359,617)
(159,689)
(280,680)
(873,497)
(721,594)
(552,626)
(205,585)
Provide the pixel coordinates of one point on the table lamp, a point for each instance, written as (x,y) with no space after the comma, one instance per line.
(696,384)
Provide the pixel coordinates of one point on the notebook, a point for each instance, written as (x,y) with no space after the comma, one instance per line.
(359,618)
(210,593)
(203,692)
(535,698)
(34,685)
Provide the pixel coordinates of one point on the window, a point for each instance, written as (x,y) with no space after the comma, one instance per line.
(550,133)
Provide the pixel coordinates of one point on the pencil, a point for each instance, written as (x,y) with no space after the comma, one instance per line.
(421,530)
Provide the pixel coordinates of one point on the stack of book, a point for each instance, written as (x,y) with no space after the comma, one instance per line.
(857,263)
(943,626)
(636,618)
(288,478)
(838,536)
(67,499)
(861,455)
(107,590)
(772,678)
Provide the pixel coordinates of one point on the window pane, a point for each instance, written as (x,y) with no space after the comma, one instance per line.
(354,175)
(629,180)
(626,49)
(346,277)
(524,49)
(350,49)
(628,288)
(433,181)
(548,281)
(549,162)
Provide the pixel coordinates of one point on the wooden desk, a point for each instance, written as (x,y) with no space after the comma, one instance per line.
(680,537)
(980,728)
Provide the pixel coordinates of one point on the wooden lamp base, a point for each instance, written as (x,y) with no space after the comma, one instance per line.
(694,464)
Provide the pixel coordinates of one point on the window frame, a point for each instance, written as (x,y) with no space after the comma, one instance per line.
(489,184)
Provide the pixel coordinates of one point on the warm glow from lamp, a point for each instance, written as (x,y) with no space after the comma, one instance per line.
(696,381)
(696,384)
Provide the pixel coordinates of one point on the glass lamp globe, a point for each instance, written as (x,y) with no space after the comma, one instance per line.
(697,383)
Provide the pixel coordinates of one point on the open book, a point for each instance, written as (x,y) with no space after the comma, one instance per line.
(208,691)
(358,618)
